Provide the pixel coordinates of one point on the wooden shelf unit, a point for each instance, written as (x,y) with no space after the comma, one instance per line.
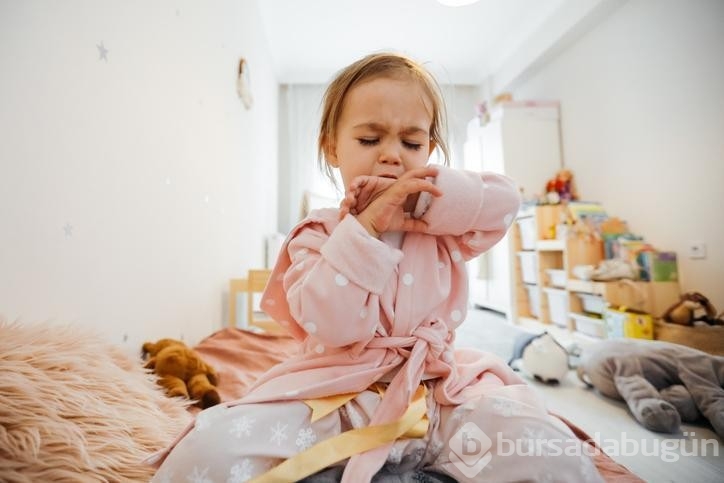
(533,300)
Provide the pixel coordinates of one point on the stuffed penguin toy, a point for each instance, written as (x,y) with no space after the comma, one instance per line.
(541,356)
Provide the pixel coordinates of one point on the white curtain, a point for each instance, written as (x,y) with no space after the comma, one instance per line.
(300,111)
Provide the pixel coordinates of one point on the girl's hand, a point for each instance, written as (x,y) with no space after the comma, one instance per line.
(361,192)
(380,203)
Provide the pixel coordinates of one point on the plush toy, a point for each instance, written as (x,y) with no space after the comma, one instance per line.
(692,307)
(561,188)
(541,357)
(182,372)
(662,383)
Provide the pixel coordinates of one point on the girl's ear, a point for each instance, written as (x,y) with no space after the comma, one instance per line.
(330,154)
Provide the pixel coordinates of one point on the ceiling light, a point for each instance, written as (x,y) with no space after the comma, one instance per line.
(456,3)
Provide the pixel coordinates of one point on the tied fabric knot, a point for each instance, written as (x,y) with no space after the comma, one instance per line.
(435,335)
(428,343)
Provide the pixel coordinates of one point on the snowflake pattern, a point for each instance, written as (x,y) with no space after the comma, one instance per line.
(240,472)
(242,426)
(206,417)
(279,433)
(536,442)
(198,476)
(395,455)
(305,438)
(506,407)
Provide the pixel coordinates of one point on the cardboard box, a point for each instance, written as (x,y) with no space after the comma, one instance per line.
(658,266)
(623,322)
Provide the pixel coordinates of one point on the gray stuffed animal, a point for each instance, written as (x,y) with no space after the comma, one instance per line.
(662,383)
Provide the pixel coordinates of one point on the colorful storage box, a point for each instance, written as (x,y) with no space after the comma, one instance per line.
(623,322)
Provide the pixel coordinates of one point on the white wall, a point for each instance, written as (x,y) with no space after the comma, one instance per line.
(132,188)
(642,102)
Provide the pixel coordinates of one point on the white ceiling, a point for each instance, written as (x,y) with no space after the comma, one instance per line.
(312,39)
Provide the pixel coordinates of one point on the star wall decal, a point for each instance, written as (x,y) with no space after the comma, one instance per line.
(102,52)
(68,229)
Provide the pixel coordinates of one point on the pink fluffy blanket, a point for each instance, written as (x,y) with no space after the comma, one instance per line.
(75,408)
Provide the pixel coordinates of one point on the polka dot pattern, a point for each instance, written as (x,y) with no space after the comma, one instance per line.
(456,315)
(408,279)
(319,349)
(508,219)
(291,393)
(456,256)
(341,280)
(363,313)
(310,327)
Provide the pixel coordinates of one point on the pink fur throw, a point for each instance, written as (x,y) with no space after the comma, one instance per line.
(75,408)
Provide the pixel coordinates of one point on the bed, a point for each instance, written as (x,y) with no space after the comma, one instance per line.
(75,408)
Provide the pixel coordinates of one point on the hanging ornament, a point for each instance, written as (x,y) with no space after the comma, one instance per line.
(243,87)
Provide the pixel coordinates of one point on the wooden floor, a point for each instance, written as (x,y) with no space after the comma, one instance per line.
(606,420)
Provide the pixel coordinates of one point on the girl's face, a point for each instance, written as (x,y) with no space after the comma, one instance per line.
(384,130)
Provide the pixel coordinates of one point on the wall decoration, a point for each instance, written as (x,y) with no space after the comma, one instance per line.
(243,84)
(102,52)
(68,229)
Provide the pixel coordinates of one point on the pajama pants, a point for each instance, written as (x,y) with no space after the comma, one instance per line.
(504,435)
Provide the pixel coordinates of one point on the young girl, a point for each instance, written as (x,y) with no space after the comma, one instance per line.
(374,291)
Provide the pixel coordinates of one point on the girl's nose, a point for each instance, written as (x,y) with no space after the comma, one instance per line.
(389,155)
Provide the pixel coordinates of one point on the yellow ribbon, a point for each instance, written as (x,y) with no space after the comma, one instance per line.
(349,443)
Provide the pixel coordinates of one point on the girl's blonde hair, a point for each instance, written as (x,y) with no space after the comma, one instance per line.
(374,66)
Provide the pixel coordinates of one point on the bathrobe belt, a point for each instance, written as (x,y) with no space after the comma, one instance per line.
(413,424)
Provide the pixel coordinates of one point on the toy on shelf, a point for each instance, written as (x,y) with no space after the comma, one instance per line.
(560,189)
(692,307)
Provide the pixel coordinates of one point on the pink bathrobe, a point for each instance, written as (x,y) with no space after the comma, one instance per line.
(367,310)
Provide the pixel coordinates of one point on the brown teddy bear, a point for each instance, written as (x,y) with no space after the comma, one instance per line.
(182,372)
(692,307)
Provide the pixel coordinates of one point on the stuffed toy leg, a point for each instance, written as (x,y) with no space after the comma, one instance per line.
(704,382)
(647,405)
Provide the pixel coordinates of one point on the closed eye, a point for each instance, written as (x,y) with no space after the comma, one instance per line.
(368,141)
(413,146)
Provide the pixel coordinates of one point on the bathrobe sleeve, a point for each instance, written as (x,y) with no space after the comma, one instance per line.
(476,209)
(328,280)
